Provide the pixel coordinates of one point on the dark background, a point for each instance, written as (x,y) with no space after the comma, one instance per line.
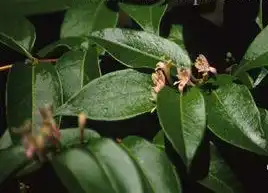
(200,36)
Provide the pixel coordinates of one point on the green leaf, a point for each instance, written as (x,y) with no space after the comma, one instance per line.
(77,68)
(102,167)
(115,96)
(11,159)
(71,137)
(256,55)
(5,140)
(234,117)
(30,7)
(183,119)
(138,48)
(264,120)
(155,165)
(246,79)
(221,79)
(159,139)
(71,43)
(28,89)
(176,35)
(86,17)
(17,33)
(220,177)
(148,17)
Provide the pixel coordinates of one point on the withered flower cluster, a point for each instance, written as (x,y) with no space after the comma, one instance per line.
(48,134)
(162,75)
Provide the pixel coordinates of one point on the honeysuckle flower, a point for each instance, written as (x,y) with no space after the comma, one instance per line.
(203,66)
(184,76)
(49,125)
(159,80)
(165,67)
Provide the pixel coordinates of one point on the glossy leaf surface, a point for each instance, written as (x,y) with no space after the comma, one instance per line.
(138,48)
(183,120)
(83,18)
(115,96)
(103,167)
(71,43)
(234,117)
(77,68)
(30,88)
(154,164)
(148,17)
(220,178)
(21,40)
(257,53)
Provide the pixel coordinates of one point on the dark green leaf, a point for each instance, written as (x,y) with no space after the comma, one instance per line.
(148,17)
(234,117)
(103,167)
(183,119)
(118,95)
(154,164)
(246,79)
(76,69)
(71,136)
(221,79)
(71,43)
(32,166)
(28,89)
(264,120)
(86,17)
(5,140)
(138,48)
(257,53)
(176,35)
(220,177)
(30,7)
(11,159)
(159,138)
(17,33)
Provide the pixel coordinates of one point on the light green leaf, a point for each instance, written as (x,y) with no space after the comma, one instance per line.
(86,17)
(176,35)
(28,89)
(102,167)
(148,17)
(234,117)
(256,55)
(154,164)
(246,79)
(263,73)
(77,68)
(183,120)
(11,159)
(71,137)
(159,139)
(17,33)
(264,120)
(71,43)
(138,48)
(5,140)
(220,177)
(115,96)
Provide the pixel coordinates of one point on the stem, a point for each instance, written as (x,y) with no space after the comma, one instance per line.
(260,15)
(7,67)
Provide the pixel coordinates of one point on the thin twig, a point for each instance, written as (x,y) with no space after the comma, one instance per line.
(7,67)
